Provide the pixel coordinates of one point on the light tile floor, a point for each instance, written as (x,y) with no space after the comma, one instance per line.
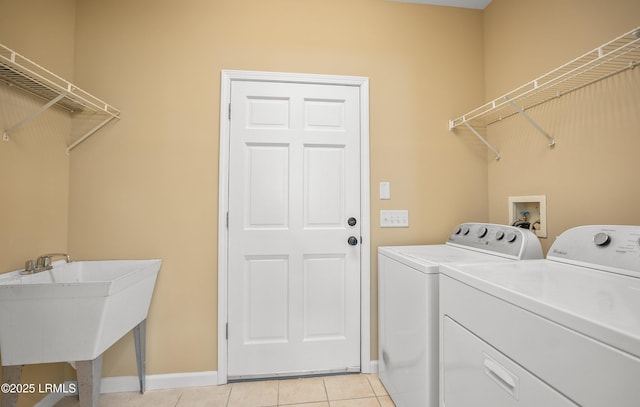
(354,390)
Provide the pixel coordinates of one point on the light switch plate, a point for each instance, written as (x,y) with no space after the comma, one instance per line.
(394,219)
(385,190)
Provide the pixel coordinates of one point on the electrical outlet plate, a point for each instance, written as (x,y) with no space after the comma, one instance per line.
(394,219)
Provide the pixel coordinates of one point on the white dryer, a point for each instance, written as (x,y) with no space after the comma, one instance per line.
(408,302)
(564,331)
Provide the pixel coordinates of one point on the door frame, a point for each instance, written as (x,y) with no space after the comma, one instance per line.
(227,77)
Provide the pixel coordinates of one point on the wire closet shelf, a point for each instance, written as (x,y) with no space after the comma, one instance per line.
(616,56)
(26,75)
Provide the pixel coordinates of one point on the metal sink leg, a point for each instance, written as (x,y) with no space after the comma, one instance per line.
(10,375)
(140,339)
(89,376)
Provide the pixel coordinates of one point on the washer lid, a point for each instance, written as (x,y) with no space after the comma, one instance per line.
(599,304)
(428,258)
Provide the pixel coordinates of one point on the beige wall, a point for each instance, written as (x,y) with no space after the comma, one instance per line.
(34,169)
(147,187)
(589,177)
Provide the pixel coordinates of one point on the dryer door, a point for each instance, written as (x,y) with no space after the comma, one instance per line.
(475,374)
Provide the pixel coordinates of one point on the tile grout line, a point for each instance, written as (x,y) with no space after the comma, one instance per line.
(326,392)
(229,395)
(179,398)
(372,389)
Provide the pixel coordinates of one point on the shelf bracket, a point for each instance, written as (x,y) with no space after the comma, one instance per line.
(486,143)
(7,132)
(90,133)
(522,113)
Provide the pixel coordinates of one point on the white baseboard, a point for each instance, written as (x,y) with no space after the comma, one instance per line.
(122,384)
(160,381)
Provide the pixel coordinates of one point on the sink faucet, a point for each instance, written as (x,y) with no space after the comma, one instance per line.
(42,263)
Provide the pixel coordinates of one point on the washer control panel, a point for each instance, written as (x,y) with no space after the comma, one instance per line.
(505,240)
(615,247)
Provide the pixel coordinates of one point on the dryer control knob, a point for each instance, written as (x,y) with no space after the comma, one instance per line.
(511,237)
(465,230)
(482,232)
(458,230)
(601,239)
(499,235)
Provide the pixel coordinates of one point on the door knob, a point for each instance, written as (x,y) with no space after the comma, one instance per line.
(353,241)
(352,221)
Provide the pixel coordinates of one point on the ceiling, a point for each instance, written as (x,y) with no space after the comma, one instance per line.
(478,4)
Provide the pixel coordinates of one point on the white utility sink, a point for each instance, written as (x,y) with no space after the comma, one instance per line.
(73,312)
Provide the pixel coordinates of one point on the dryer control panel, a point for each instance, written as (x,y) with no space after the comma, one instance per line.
(614,248)
(503,240)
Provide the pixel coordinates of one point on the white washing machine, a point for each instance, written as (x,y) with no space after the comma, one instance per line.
(408,303)
(564,331)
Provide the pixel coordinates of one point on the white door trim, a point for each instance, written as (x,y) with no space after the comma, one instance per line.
(228,76)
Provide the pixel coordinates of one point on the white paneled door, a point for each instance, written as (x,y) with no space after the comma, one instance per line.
(294,229)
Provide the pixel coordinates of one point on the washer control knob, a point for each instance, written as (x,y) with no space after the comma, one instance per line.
(458,230)
(601,239)
(482,232)
(511,237)
(465,230)
(499,235)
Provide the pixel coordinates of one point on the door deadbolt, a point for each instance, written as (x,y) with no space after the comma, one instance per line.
(352,221)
